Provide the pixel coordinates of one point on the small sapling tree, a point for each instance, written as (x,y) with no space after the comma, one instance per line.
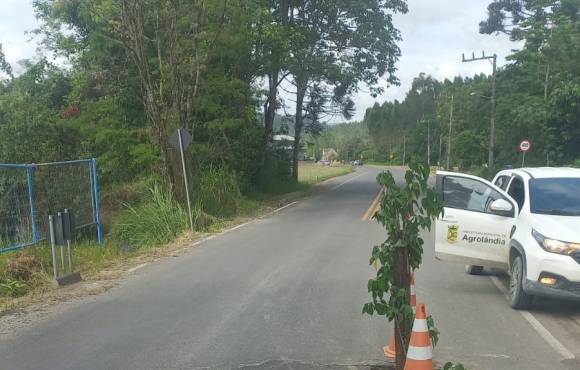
(404,211)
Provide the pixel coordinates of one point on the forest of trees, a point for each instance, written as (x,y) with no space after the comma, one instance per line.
(130,72)
(538,97)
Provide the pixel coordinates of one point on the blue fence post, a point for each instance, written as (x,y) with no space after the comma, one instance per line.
(96,212)
(92,189)
(29,178)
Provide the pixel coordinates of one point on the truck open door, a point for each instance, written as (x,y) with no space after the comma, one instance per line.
(476,226)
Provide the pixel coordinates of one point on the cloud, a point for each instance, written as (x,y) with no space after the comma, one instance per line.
(17,17)
(435,34)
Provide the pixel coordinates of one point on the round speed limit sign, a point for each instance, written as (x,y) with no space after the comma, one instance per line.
(525,145)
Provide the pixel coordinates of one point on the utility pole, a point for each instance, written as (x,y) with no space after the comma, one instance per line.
(493,59)
(404,148)
(440,145)
(428,132)
(429,143)
(449,137)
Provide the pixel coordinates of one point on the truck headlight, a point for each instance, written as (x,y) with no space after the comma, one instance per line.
(555,246)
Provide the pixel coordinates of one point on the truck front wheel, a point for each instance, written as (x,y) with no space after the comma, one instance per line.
(519,299)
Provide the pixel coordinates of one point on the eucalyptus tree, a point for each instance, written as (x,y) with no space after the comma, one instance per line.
(544,76)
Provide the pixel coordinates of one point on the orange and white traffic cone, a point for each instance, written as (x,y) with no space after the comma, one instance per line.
(420,353)
(391,350)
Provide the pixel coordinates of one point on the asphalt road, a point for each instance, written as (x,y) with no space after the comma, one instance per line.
(287,292)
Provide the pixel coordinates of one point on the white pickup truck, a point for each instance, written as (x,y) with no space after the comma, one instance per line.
(527,222)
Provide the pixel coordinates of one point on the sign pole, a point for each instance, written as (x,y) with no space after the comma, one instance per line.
(52,245)
(185,178)
(524,146)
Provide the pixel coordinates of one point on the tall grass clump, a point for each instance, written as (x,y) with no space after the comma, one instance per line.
(157,220)
(218,192)
(19,271)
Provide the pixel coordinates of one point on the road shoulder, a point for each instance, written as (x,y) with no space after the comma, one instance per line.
(20,313)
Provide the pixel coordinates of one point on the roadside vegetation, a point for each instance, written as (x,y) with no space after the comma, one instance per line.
(311,173)
(129,73)
(151,223)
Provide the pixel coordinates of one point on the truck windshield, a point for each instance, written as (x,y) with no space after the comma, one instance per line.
(555,196)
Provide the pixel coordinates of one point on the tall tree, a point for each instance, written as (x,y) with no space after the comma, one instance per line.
(512,17)
(161,38)
(272,45)
(167,32)
(545,65)
(337,45)
(191,63)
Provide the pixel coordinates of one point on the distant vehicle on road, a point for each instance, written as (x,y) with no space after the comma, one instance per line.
(324,162)
(526,222)
(358,162)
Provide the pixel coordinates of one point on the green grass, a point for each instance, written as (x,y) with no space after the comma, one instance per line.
(311,173)
(20,272)
(218,192)
(88,258)
(155,221)
(13,288)
(91,257)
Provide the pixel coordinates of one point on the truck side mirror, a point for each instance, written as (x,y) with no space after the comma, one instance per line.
(501,207)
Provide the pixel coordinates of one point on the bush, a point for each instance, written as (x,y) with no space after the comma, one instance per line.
(13,288)
(218,192)
(155,221)
(276,173)
(21,266)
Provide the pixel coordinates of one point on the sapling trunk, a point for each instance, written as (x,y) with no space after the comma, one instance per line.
(402,324)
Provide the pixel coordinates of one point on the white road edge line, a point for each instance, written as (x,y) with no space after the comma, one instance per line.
(203,240)
(537,326)
(281,208)
(233,228)
(210,237)
(347,181)
(138,267)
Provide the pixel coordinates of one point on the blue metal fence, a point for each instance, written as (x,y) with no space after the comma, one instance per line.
(30,192)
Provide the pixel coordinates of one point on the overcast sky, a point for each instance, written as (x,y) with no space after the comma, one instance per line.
(435,33)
